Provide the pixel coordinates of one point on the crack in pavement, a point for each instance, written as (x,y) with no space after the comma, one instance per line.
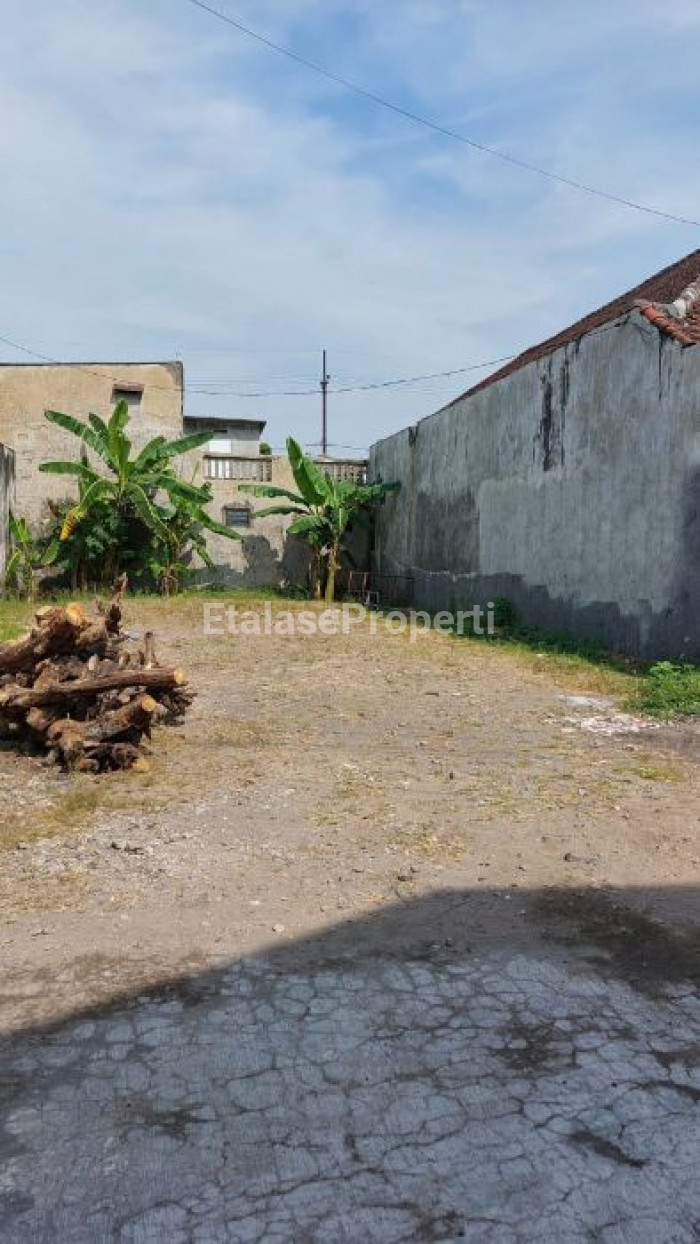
(507,1097)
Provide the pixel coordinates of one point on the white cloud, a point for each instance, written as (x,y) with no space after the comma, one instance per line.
(170,186)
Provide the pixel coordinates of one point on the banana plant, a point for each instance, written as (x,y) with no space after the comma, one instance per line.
(323,509)
(28,555)
(129,481)
(186,525)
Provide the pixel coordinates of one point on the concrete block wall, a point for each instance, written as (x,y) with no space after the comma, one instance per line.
(7,483)
(571,487)
(264,556)
(27,391)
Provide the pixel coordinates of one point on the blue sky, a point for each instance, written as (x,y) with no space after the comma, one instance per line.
(171,188)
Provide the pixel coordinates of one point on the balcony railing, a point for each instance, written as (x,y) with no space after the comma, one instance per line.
(226,466)
(350,469)
(259,470)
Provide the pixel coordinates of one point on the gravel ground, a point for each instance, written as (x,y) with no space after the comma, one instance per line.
(393,831)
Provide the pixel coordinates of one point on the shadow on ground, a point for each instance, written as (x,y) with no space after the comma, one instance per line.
(491,1066)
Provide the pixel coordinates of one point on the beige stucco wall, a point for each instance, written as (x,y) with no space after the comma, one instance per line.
(264,557)
(26,391)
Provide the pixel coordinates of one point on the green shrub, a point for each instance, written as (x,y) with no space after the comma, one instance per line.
(505,615)
(669,690)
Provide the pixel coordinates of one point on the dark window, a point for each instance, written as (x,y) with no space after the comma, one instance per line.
(130,394)
(236,516)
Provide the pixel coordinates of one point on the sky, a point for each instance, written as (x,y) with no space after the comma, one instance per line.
(172,189)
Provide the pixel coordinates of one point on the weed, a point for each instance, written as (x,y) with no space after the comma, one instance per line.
(669,690)
(14,618)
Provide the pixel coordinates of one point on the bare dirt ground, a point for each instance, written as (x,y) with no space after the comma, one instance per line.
(321,779)
(395,943)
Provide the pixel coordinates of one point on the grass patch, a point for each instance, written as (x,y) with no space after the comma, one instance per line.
(668,690)
(658,773)
(15,617)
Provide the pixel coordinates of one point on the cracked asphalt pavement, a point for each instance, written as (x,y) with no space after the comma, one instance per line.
(525,1077)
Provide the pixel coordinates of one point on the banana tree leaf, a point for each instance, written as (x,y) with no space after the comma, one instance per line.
(147,511)
(268,510)
(151,452)
(50,553)
(67,468)
(99,426)
(218,528)
(271,490)
(83,431)
(185,443)
(178,488)
(309,523)
(314,486)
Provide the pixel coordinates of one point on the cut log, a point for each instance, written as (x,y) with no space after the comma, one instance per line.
(147,655)
(74,739)
(39,720)
(55,633)
(134,716)
(13,699)
(112,613)
(74,688)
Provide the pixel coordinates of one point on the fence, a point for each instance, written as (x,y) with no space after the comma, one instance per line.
(379,589)
(350,469)
(226,466)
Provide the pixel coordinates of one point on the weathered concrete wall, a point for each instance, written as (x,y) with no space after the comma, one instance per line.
(7,483)
(265,556)
(234,436)
(26,391)
(572,487)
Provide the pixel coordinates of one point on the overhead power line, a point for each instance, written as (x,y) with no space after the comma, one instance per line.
(195,390)
(356,388)
(83,367)
(435,126)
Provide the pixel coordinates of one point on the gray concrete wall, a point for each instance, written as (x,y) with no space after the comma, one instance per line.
(7,484)
(572,487)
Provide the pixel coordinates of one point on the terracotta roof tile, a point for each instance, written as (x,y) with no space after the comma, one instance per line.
(650,298)
(685,330)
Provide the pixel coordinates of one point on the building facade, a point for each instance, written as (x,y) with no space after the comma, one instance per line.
(261,556)
(568,483)
(153,391)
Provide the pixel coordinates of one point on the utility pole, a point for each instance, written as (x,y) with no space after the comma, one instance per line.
(324,418)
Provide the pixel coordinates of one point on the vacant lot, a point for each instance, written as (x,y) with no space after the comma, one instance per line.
(395,942)
(322,777)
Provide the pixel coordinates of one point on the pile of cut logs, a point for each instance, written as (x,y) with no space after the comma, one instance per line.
(77,690)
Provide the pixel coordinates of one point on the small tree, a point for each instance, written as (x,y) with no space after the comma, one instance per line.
(130,486)
(186,526)
(84,557)
(29,554)
(324,509)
